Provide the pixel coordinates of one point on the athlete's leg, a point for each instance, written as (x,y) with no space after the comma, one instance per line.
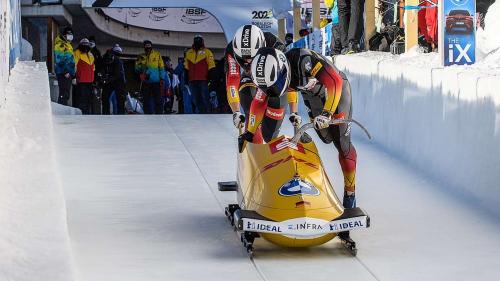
(247,93)
(342,141)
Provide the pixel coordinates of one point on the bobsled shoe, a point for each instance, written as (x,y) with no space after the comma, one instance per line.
(348,202)
(242,139)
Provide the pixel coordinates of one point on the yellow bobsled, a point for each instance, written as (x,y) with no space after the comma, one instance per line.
(285,196)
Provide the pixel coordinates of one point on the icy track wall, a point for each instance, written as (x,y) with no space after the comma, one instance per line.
(34,240)
(445,122)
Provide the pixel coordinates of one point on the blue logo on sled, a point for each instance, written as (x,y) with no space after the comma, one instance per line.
(298,187)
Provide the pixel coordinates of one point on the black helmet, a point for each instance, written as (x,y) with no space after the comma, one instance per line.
(271,72)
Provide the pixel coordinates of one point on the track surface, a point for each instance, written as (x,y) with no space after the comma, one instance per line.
(142,202)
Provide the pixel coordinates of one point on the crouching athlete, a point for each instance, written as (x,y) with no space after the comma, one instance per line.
(327,95)
(239,85)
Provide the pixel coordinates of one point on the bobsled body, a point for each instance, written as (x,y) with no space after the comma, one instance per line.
(286,197)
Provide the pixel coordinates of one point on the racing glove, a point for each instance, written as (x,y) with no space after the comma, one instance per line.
(295,119)
(322,121)
(238,119)
(242,139)
(142,76)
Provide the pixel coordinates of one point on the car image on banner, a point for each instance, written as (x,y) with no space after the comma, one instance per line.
(459,24)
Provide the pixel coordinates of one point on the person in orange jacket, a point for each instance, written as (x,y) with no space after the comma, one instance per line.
(198,62)
(85,67)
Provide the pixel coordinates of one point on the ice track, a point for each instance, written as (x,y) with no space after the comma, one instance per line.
(142,204)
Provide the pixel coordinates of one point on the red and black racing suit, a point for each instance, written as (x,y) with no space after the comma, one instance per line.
(331,95)
(241,89)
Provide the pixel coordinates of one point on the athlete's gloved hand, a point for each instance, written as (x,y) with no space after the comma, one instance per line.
(295,119)
(310,84)
(243,139)
(73,81)
(238,119)
(322,121)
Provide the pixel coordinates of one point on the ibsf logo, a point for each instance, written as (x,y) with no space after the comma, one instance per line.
(134,12)
(194,16)
(298,187)
(158,14)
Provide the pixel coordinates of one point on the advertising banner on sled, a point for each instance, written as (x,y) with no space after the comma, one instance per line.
(230,14)
(178,19)
(458,32)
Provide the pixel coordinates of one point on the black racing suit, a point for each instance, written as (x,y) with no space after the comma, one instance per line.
(241,89)
(330,95)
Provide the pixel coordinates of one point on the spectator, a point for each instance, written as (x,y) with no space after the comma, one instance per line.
(428,24)
(198,61)
(336,46)
(97,55)
(64,64)
(84,61)
(151,70)
(288,39)
(167,92)
(113,80)
(351,18)
(187,103)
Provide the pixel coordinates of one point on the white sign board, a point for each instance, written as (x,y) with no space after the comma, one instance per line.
(230,14)
(178,19)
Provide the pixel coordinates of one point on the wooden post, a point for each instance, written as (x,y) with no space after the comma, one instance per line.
(411,25)
(52,32)
(316,14)
(282,29)
(369,21)
(297,21)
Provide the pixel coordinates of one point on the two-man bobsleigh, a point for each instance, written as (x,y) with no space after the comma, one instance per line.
(285,196)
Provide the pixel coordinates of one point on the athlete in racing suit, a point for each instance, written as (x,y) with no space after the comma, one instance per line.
(241,89)
(327,94)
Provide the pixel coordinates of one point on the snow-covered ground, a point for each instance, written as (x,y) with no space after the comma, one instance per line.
(143,204)
(34,243)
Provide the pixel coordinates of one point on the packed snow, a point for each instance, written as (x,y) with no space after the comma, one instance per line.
(34,242)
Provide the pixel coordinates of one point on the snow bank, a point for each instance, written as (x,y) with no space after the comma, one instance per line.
(488,39)
(59,109)
(34,242)
(443,121)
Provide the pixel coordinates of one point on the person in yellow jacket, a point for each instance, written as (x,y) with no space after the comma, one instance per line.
(85,67)
(64,64)
(151,70)
(198,62)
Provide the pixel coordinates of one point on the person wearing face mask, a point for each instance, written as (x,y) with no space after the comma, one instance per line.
(85,68)
(197,62)
(151,70)
(64,64)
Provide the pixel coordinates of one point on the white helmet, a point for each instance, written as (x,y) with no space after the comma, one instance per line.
(246,42)
(271,71)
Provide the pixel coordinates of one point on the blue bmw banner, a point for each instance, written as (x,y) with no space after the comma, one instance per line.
(458,27)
